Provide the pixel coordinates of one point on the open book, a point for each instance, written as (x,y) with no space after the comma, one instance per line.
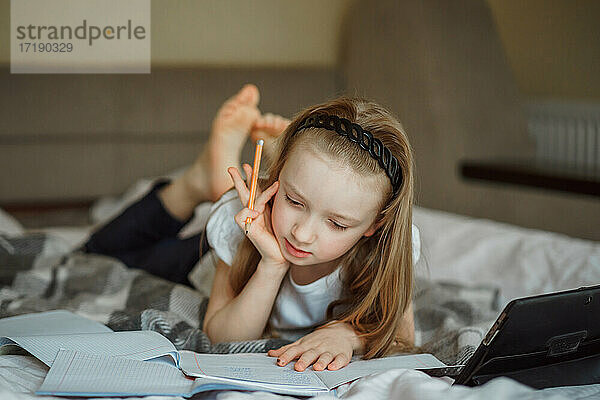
(88,359)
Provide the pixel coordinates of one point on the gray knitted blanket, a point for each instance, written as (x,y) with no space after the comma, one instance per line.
(38,273)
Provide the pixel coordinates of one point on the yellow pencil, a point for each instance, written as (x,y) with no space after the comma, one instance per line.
(253,184)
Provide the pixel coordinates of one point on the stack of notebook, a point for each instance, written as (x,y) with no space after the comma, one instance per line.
(87,358)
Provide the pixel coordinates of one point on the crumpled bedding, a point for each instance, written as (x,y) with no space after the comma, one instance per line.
(464,263)
(520,261)
(40,274)
(21,375)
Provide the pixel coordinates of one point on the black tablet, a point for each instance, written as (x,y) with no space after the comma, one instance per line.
(542,341)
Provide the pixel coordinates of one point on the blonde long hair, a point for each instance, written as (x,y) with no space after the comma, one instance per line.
(377,272)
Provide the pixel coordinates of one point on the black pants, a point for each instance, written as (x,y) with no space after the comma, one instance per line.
(144,236)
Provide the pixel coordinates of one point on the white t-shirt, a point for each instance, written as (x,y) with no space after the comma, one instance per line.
(298,309)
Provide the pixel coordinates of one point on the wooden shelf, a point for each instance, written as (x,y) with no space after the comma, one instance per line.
(533,174)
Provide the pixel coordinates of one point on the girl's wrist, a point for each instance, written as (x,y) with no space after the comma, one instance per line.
(358,345)
(275,268)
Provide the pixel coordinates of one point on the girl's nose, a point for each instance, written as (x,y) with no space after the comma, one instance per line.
(303,232)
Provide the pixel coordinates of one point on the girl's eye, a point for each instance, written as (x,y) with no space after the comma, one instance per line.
(338,226)
(292,202)
(334,224)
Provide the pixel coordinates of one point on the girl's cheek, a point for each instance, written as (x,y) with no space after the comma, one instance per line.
(277,218)
(338,246)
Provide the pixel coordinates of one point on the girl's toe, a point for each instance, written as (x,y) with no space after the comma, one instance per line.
(248,94)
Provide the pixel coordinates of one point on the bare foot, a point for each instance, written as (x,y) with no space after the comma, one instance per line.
(236,117)
(268,127)
(207,179)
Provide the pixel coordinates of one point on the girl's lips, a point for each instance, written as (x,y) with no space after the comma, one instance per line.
(294,251)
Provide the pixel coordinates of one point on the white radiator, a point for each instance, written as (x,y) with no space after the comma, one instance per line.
(566,134)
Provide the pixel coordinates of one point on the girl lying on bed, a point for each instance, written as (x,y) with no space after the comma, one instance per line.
(328,259)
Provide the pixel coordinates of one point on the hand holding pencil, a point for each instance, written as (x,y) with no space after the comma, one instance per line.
(254,180)
(255,217)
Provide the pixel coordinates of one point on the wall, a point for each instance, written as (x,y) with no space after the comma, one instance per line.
(236,33)
(440,66)
(559,37)
(552,46)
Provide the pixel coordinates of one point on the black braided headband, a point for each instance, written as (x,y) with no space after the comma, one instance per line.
(355,133)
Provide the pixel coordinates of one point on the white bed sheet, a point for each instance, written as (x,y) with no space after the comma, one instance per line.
(519,261)
(21,375)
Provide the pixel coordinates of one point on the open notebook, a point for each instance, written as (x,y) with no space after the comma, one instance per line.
(44,334)
(88,359)
(79,374)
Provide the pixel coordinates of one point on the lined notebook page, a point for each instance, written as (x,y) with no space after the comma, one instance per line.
(247,367)
(75,373)
(54,322)
(138,345)
(78,374)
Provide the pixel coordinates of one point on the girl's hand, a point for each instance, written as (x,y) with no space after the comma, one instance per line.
(330,347)
(260,231)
